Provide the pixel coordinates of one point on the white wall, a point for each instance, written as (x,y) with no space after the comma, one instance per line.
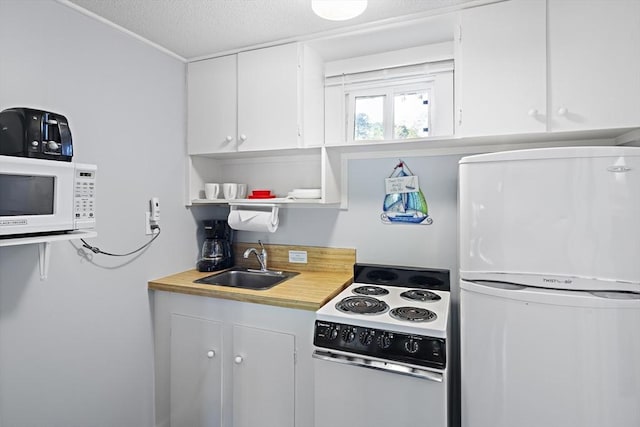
(360,227)
(77,349)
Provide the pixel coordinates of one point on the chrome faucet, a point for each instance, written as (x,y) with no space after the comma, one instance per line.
(262,256)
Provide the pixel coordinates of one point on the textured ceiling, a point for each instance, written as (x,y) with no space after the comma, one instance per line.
(197,28)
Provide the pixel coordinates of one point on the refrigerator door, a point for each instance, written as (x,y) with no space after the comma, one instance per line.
(537,357)
(559,218)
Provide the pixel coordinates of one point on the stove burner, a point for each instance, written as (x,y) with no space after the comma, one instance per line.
(362,305)
(380,275)
(370,290)
(420,295)
(413,314)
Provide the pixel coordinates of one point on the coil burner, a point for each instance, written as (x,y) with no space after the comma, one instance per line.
(362,305)
(370,290)
(413,314)
(420,295)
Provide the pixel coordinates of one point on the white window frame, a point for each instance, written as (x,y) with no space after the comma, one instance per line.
(389,89)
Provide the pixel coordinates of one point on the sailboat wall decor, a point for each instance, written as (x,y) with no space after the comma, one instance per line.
(404,202)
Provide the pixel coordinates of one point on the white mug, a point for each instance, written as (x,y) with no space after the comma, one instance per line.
(230,190)
(242,191)
(211,190)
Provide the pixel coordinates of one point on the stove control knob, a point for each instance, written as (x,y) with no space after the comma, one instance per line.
(366,337)
(384,340)
(349,334)
(332,332)
(411,346)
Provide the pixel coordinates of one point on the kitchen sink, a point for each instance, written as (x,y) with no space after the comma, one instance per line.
(248,278)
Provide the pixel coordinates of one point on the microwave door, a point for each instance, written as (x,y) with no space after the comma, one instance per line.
(36,196)
(27,195)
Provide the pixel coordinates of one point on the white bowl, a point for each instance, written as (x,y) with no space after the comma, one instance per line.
(305,193)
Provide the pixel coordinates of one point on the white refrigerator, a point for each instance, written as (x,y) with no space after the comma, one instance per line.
(550,288)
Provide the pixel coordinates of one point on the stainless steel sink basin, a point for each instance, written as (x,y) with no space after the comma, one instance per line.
(247,278)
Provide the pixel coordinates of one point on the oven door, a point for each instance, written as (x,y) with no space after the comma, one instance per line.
(356,391)
(36,196)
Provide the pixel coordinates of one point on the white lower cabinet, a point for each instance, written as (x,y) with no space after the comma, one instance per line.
(196,372)
(222,363)
(263,378)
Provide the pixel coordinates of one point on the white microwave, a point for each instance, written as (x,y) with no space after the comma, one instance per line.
(45,196)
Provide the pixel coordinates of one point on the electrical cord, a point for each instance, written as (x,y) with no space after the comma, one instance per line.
(96,250)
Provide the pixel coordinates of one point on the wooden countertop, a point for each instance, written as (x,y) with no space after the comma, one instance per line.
(327,273)
(309,290)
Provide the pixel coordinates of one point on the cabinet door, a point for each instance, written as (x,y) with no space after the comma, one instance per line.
(263,378)
(501,64)
(211,109)
(196,372)
(594,61)
(268,103)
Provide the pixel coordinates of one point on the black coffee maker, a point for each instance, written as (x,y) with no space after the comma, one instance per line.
(216,249)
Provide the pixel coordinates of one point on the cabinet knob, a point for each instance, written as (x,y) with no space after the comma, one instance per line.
(562,111)
(532,112)
(238,360)
(229,138)
(211,354)
(243,137)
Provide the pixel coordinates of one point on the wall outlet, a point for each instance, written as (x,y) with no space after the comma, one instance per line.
(147,224)
(299,257)
(152,217)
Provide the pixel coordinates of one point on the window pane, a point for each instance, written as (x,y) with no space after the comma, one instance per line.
(369,116)
(411,115)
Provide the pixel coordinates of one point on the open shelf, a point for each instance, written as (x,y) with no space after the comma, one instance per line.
(248,202)
(44,244)
(72,235)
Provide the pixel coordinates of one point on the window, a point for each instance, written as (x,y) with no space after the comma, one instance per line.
(388,112)
(411,114)
(388,104)
(369,117)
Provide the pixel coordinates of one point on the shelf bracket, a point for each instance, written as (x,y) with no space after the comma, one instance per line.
(44,252)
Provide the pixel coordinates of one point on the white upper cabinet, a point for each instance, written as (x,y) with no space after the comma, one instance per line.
(263,99)
(268,98)
(594,64)
(526,66)
(212,105)
(501,69)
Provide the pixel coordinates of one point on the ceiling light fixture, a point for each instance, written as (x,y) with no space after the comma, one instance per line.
(338,10)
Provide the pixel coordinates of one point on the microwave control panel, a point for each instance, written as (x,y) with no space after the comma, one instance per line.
(84,199)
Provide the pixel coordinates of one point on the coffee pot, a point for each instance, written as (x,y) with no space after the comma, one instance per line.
(216,249)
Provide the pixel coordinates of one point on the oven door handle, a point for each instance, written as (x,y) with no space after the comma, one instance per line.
(378,365)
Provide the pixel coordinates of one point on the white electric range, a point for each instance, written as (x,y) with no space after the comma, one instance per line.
(381,350)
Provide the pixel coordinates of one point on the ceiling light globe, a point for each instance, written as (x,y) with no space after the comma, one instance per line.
(338,10)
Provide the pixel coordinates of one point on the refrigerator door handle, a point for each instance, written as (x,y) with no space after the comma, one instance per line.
(572,298)
(506,286)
